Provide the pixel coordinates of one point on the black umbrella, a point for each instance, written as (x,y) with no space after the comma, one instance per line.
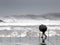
(43,28)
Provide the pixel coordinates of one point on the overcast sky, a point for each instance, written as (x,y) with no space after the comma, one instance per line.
(18,7)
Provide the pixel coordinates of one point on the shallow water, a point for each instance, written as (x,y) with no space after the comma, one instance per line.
(28,41)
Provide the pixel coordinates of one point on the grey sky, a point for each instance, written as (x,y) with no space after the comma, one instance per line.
(18,7)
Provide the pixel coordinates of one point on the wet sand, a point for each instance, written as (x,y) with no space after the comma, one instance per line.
(28,41)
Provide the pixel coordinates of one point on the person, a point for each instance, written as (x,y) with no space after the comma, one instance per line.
(43,29)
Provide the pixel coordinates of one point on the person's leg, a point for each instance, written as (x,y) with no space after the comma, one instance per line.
(42,35)
(45,36)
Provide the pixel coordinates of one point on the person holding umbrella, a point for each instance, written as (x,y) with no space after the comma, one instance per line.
(43,29)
